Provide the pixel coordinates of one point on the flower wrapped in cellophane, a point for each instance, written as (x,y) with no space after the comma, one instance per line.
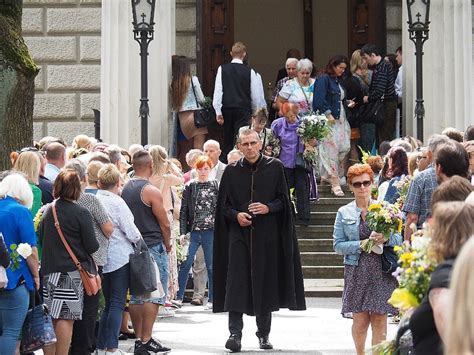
(312,127)
(402,186)
(383,218)
(414,271)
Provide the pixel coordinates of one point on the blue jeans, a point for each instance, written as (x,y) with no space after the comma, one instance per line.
(114,287)
(162,261)
(204,238)
(13,307)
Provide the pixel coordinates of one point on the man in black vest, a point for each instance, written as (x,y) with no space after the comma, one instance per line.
(238,91)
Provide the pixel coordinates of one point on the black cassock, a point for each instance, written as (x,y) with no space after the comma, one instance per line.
(257,269)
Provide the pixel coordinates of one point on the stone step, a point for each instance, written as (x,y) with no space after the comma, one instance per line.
(322,218)
(319,258)
(327,188)
(323,287)
(313,245)
(315,231)
(323,272)
(329,204)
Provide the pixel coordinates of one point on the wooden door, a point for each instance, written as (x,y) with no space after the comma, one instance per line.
(216,39)
(367,24)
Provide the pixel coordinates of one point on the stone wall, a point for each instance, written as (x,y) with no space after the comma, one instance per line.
(63,37)
(186,31)
(394,25)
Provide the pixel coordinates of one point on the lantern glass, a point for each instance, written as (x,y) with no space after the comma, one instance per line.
(143,13)
(418,14)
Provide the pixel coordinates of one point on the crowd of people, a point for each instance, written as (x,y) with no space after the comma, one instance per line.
(101,202)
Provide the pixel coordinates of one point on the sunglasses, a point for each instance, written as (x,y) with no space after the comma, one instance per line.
(359,184)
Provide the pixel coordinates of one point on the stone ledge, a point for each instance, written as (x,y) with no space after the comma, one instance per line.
(68,130)
(53,106)
(90,48)
(74,20)
(52,48)
(88,102)
(32,21)
(73,77)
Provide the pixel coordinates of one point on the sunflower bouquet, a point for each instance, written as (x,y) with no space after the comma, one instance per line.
(312,127)
(414,272)
(383,218)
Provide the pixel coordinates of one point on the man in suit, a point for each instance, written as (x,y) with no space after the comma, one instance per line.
(212,149)
(238,92)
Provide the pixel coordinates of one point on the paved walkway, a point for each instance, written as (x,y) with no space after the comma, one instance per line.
(318,330)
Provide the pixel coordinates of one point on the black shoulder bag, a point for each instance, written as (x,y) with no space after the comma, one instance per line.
(203,116)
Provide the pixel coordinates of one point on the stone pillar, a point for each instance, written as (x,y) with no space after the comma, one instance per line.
(447,68)
(120,74)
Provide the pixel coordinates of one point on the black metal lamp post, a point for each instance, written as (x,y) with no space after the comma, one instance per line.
(143,13)
(418,27)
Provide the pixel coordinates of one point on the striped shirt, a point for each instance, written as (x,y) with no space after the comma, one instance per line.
(383,81)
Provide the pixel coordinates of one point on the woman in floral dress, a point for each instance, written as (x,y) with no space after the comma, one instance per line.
(329,99)
(198,209)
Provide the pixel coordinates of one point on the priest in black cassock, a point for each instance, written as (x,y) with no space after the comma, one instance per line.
(256,264)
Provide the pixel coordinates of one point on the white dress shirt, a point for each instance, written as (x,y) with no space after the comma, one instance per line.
(51,171)
(398,82)
(256,90)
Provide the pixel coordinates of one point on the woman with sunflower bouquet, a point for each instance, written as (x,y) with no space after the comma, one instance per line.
(366,287)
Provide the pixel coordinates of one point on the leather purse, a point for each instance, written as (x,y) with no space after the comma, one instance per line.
(374,112)
(389,260)
(92,283)
(203,116)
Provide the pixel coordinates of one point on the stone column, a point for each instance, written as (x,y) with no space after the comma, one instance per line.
(120,74)
(447,68)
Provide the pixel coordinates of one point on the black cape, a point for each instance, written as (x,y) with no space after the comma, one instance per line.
(257,269)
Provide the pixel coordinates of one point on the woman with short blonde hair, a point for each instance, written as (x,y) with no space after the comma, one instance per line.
(460,321)
(29,163)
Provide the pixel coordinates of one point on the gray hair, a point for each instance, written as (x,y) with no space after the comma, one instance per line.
(248,132)
(211,142)
(291,60)
(436,141)
(78,166)
(236,152)
(304,64)
(114,152)
(192,155)
(401,143)
(17,187)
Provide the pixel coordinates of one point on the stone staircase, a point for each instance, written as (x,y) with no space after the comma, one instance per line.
(323,269)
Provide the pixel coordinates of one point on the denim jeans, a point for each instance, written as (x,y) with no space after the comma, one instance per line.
(162,261)
(205,239)
(13,307)
(114,287)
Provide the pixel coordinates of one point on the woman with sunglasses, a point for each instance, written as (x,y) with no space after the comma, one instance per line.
(366,287)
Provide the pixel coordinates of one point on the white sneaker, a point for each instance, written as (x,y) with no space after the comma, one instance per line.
(166,312)
(208,306)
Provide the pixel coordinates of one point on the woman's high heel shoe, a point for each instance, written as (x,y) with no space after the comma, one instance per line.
(337,191)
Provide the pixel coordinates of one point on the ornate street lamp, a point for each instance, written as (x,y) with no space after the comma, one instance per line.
(418,27)
(143,13)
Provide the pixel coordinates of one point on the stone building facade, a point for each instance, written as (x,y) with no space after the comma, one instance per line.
(64,37)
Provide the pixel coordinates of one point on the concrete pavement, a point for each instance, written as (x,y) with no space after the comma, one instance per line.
(318,330)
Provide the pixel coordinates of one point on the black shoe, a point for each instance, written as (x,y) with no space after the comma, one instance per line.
(265,343)
(233,343)
(155,346)
(139,348)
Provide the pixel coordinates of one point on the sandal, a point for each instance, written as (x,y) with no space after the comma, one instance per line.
(337,191)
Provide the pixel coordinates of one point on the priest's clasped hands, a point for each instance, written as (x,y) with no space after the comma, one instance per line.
(255,208)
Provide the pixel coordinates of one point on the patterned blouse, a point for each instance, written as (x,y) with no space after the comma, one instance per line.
(189,100)
(302,96)
(205,205)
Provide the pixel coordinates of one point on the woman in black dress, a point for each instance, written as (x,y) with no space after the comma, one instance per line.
(453,224)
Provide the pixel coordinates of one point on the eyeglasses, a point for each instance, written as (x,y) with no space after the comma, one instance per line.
(420,157)
(359,184)
(249,144)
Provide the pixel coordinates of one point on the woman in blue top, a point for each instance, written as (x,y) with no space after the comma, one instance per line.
(366,287)
(330,99)
(17,227)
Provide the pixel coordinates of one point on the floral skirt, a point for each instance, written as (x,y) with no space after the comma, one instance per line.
(63,293)
(334,148)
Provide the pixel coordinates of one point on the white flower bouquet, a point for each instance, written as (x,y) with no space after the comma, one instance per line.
(312,127)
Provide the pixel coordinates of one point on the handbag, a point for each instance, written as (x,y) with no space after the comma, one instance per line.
(142,270)
(389,260)
(375,112)
(92,282)
(38,329)
(159,292)
(203,116)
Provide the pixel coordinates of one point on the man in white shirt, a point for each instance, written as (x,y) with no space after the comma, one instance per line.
(213,151)
(398,80)
(56,159)
(238,92)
